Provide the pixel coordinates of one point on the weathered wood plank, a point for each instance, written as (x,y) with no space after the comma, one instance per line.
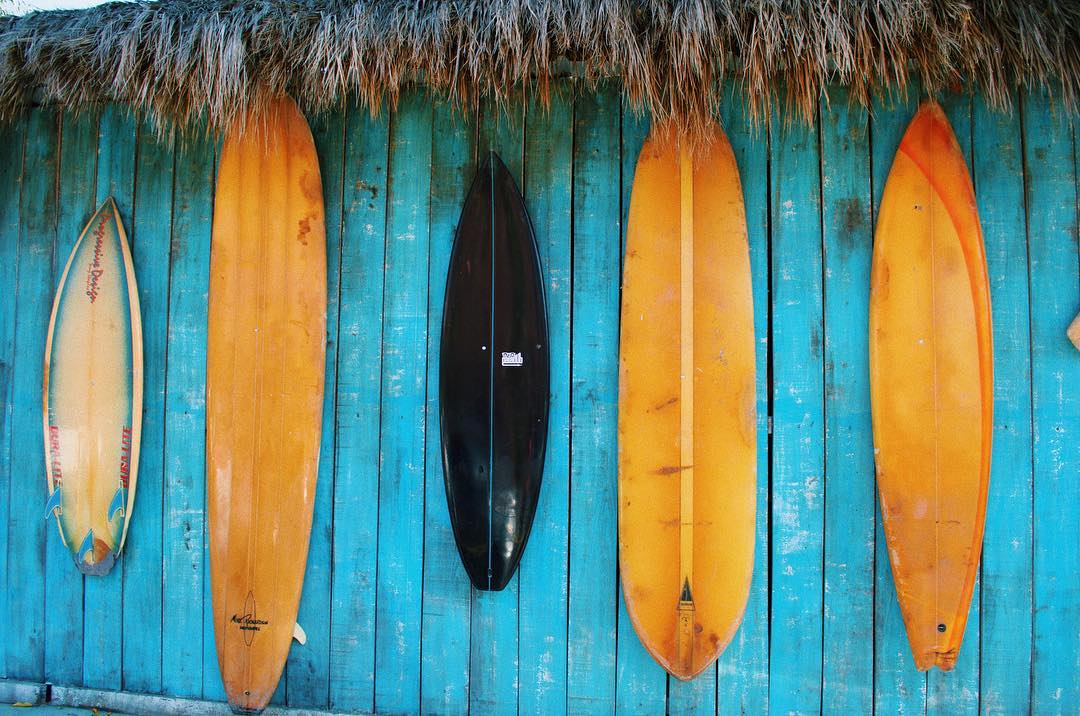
(63,582)
(641,683)
(1005,651)
(359,370)
(402,432)
(848,669)
(444,673)
(13,138)
(798,458)
(25,619)
(185,569)
(307,672)
(898,686)
(494,641)
(594,405)
(150,230)
(1054,277)
(743,668)
(102,626)
(543,583)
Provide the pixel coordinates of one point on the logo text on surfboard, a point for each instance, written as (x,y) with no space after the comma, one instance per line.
(54,455)
(94,271)
(512,360)
(125,455)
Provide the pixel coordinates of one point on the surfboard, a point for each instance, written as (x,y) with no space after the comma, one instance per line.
(493,378)
(687,414)
(92,394)
(931,384)
(266,348)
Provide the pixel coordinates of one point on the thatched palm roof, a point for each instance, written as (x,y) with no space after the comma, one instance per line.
(182,57)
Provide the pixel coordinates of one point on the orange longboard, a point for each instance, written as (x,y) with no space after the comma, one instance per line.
(687,424)
(92,394)
(931,384)
(266,348)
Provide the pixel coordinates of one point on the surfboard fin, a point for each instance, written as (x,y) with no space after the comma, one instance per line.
(54,506)
(118,504)
(87,547)
(299,634)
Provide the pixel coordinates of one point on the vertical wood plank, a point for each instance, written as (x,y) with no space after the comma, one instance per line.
(493,649)
(63,581)
(444,677)
(1054,276)
(898,685)
(743,668)
(697,696)
(1005,651)
(356,478)
(150,227)
(103,596)
(543,571)
(185,569)
(402,431)
(641,683)
(307,672)
(13,138)
(593,600)
(848,669)
(494,630)
(798,459)
(957,691)
(25,620)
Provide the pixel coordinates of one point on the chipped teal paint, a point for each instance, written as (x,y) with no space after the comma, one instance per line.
(78,196)
(1005,671)
(185,568)
(142,648)
(382,554)
(399,572)
(26,529)
(847,230)
(1054,276)
(444,675)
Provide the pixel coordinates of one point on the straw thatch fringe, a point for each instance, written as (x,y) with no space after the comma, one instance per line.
(184,58)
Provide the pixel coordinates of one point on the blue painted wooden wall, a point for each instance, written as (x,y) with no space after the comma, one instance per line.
(393,624)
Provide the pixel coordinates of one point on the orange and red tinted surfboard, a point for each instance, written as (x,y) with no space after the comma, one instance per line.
(92,394)
(687,428)
(931,382)
(266,347)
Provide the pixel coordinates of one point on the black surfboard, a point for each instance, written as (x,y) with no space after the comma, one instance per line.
(493,378)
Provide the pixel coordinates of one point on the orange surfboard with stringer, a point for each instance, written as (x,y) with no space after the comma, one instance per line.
(931,382)
(266,347)
(687,423)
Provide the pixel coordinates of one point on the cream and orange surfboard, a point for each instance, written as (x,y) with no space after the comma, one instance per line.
(266,348)
(931,383)
(92,394)
(687,424)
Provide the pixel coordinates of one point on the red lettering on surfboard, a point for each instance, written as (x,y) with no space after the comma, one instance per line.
(94,271)
(125,456)
(54,456)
